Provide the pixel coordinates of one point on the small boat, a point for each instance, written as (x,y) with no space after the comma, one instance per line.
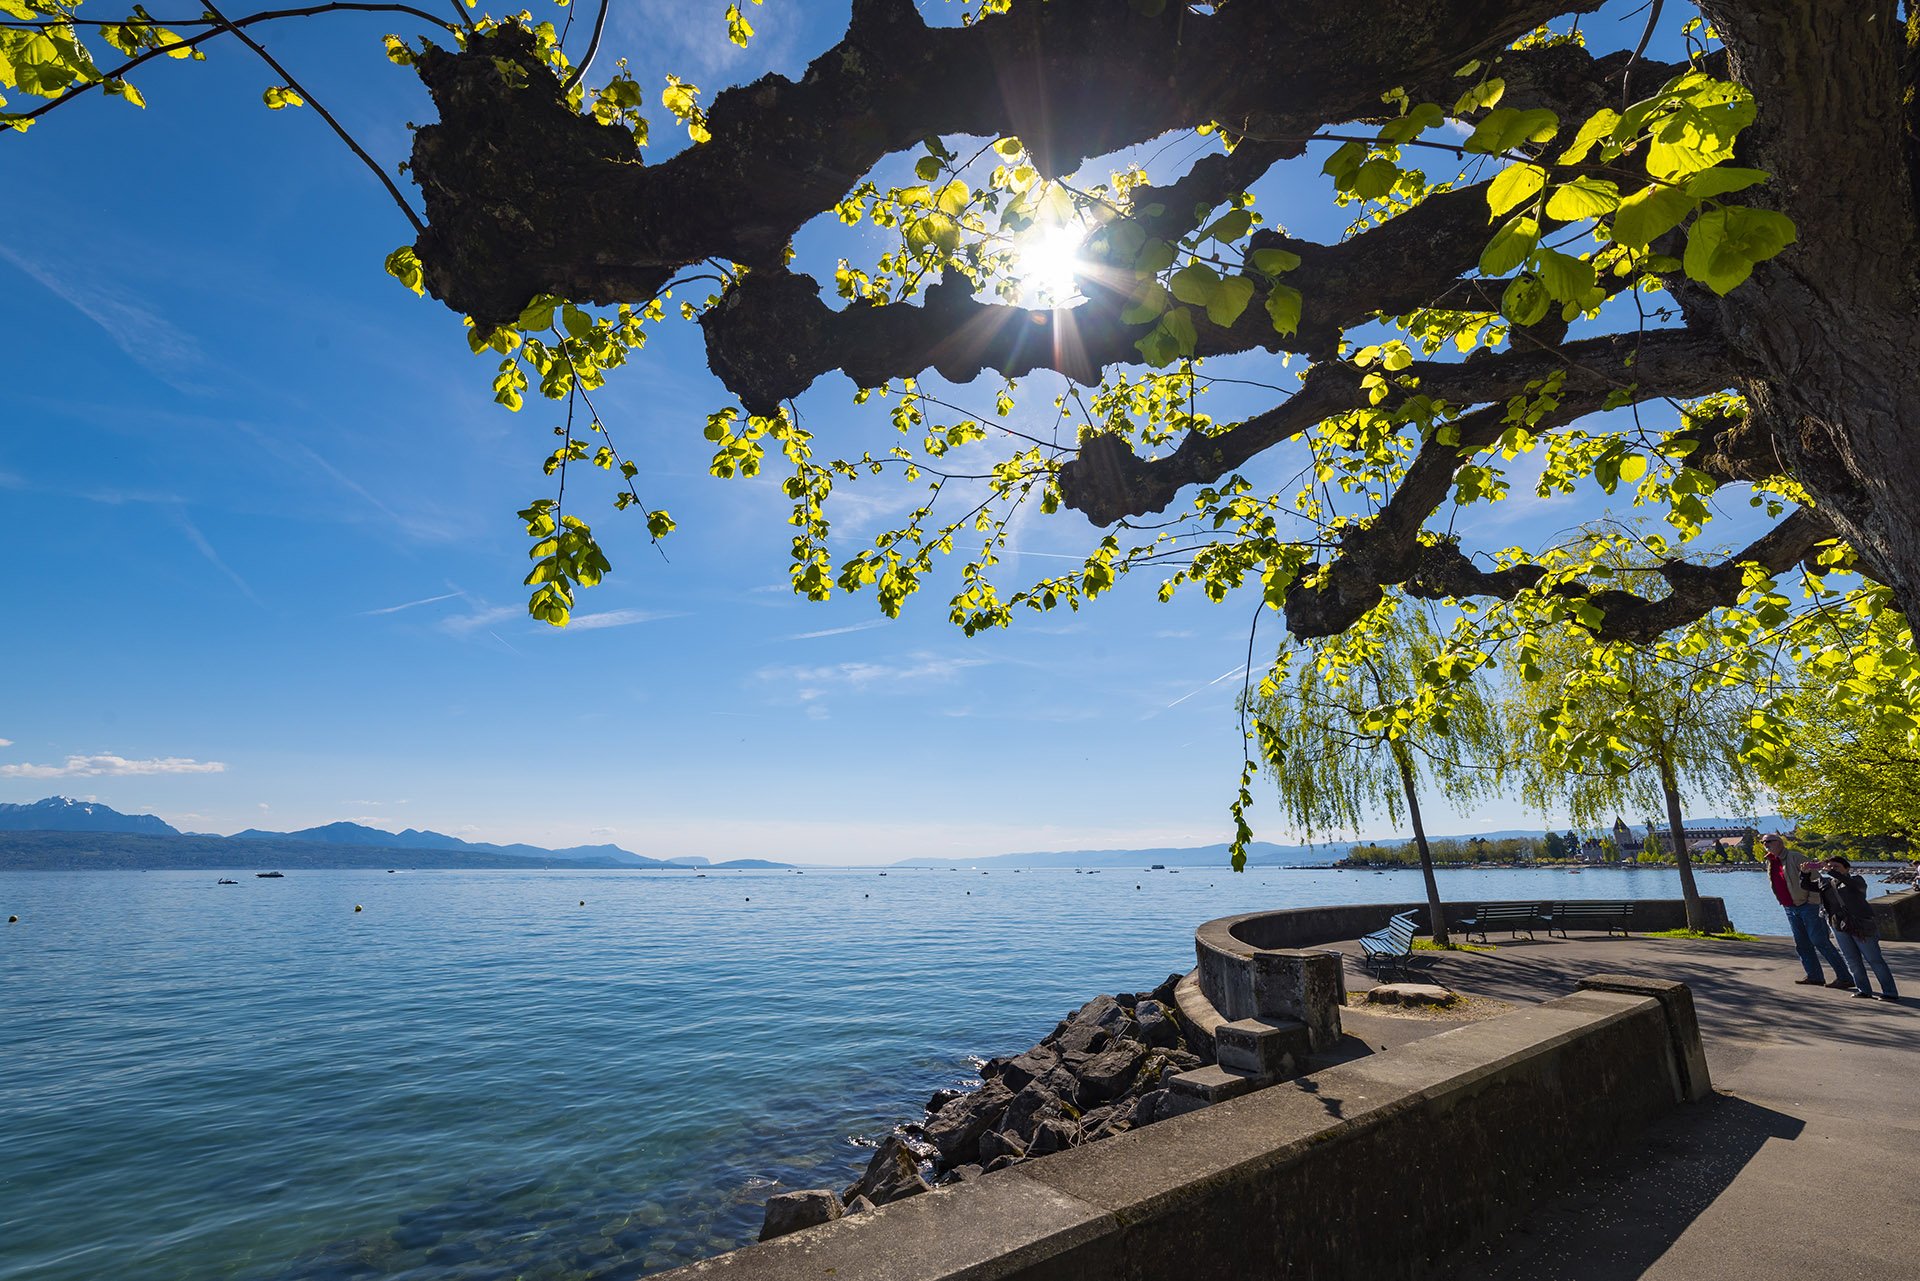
(224,881)
(270,876)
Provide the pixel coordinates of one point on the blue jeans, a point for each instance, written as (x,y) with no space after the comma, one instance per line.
(1809,933)
(1862,952)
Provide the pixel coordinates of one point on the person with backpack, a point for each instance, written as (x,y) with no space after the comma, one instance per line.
(1844,896)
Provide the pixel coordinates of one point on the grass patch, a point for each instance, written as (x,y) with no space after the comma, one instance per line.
(1428,945)
(1731,936)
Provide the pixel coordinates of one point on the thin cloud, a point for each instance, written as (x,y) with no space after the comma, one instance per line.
(925,668)
(840,631)
(117,766)
(394,609)
(1238,671)
(6,742)
(155,343)
(199,540)
(461,624)
(615,618)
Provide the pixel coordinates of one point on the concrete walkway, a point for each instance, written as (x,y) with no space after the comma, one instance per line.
(1804,1166)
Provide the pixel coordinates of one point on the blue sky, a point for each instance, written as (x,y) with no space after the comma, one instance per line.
(264,508)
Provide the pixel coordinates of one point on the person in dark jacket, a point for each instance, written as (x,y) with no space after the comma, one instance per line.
(1844,896)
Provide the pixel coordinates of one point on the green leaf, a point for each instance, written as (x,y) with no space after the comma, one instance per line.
(1524,301)
(1229,227)
(1283,306)
(1229,300)
(927,168)
(1567,278)
(1485,94)
(1194,284)
(1599,125)
(1651,213)
(1274,261)
(1516,184)
(404,266)
(1721,179)
(1510,246)
(1505,128)
(1375,178)
(1724,244)
(1633,467)
(1582,198)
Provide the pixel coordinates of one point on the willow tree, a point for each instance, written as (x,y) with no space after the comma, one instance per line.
(1737,224)
(1349,728)
(1599,726)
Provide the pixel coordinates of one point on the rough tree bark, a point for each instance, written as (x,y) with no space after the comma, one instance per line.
(1436,915)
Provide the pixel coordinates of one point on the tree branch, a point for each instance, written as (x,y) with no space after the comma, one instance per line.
(527,197)
(1109,482)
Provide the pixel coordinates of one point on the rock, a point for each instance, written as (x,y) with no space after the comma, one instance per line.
(941,1098)
(792,1211)
(955,1132)
(1110,1073)
(1116,1019)
(1055,1135)
(992,1067)
(1135,1112)
(962,1174)
(1030,1107)
(1053,1037)
(1082,1039)
(858,1204)
(1157,1027)
(1062,1084)
(1022,1070)
(1095,1011)
(1410,994)
(1092,1120)
(995,1144)
(1164,993)
(1001,1163)
(1128,999)
(892,1175)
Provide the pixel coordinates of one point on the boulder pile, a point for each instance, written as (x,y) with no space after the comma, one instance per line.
(1101,1072)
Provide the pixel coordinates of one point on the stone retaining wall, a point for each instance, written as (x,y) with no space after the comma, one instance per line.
(1376,1167)
(1260,964)
(1898,915)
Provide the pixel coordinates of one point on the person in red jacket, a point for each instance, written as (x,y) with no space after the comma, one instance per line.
(1810,937)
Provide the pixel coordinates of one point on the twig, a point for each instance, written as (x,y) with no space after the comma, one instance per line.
(593,47)
(419,227)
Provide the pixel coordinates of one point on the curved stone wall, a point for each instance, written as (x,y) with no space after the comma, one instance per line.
(1262,964)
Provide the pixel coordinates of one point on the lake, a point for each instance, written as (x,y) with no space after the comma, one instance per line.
(479,1075)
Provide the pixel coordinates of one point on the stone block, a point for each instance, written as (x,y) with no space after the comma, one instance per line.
(1410,994)
(1265,1048)
(1692,1082)
(1213,1084)
(1308,986)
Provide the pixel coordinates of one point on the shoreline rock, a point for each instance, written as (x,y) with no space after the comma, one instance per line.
(1100,1072)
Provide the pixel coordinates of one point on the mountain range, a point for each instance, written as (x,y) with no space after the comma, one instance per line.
(64,814)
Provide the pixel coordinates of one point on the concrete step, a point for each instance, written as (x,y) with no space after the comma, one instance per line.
(1214,1084)
(1267,1048)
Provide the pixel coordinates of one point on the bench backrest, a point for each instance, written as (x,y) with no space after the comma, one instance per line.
(1597,908)
(1399,933)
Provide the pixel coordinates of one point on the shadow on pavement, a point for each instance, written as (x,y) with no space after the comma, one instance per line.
(1624,1212)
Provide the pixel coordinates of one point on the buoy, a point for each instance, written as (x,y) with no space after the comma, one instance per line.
(12,919)
(356,907)
(749,898)
(583,902)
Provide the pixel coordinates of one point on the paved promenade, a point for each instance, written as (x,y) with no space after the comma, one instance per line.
(1806,1165)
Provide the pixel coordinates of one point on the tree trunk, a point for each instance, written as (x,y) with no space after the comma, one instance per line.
(1696,914)
(1435,916)
(1825,330)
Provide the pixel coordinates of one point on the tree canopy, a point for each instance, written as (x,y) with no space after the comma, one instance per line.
(1546,246)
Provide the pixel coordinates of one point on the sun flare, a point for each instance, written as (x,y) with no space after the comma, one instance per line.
(1046,264)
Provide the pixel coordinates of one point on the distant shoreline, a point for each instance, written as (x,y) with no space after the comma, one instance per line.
(140,852)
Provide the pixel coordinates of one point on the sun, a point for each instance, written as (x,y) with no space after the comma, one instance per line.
(1045,265)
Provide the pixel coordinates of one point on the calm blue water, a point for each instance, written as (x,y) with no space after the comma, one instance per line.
(477,1076)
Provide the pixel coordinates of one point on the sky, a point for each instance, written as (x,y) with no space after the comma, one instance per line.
(269,572)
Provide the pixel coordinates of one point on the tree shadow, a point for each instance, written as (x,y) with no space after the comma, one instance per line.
(1624,1211)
